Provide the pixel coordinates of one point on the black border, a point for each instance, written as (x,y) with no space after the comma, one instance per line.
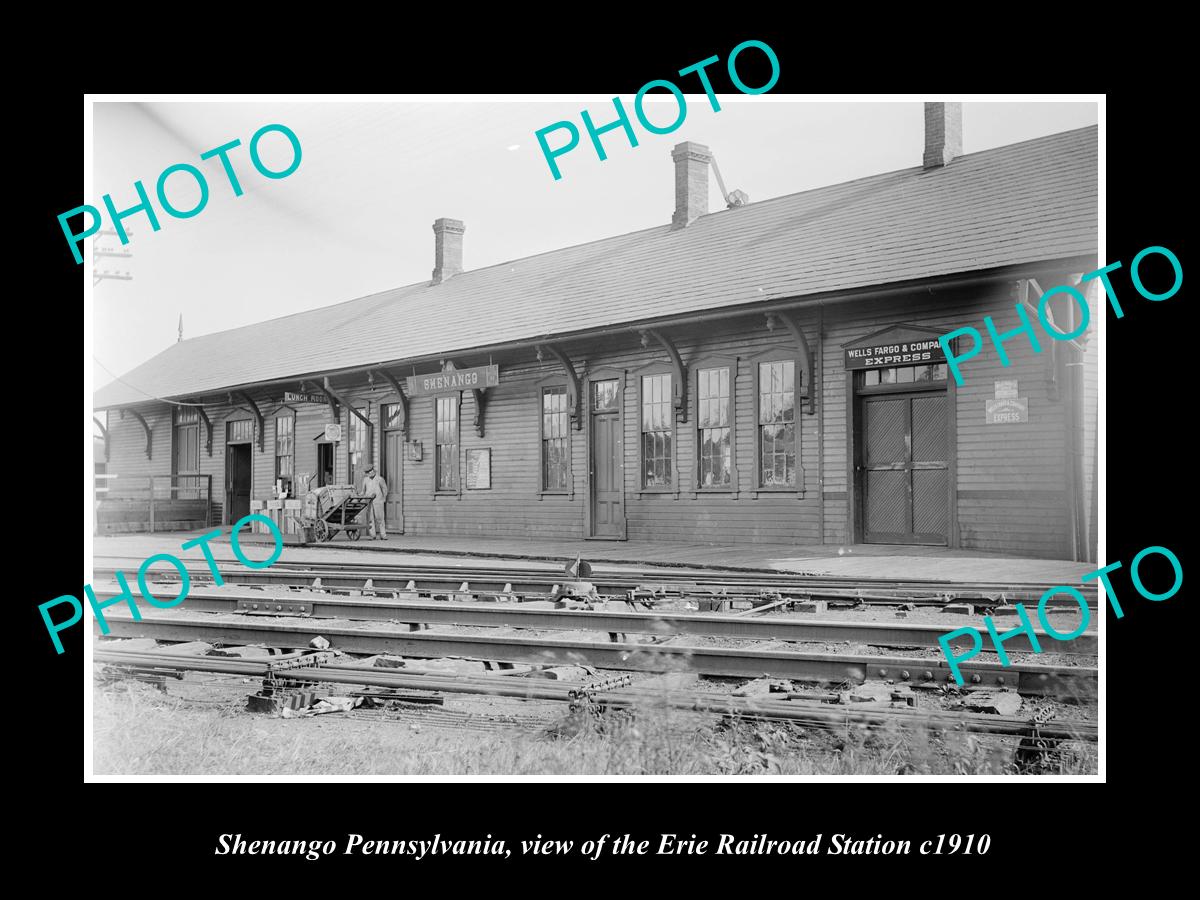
(1147,442)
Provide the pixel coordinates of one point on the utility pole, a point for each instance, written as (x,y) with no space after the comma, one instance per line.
(98,252)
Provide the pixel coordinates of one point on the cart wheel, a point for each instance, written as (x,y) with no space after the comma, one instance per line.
(353,533)
(323,530)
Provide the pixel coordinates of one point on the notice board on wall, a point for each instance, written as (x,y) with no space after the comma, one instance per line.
(479,469)
(1005,412)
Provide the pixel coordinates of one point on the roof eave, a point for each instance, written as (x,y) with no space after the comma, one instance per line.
(1033,268)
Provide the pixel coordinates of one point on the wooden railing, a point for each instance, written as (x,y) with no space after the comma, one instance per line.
(152,487)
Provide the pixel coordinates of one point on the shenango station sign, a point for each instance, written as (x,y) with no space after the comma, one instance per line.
(895,346)
(474,379)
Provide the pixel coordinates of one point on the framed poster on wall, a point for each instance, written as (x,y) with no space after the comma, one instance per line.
(479,469)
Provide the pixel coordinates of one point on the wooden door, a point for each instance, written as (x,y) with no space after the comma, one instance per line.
(237,481)
(606,469)
(905,470)
(393,474)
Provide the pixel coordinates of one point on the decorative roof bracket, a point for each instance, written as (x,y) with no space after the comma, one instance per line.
(808,390)
(573,389)
(208,428)
(258,418)
(398,388)
(103,431)
(680,386)
(479,395)
(341,402)
(146,425)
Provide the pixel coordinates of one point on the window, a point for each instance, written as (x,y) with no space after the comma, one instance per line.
(446,439)
(604,395)
(657,430)
(393,415)
(357,448)
(715,424)
(186,454)
(285,451)
(555,439)
(777,424)
(241,431)
(904,374)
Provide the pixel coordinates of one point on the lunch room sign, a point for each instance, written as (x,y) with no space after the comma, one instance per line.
(473,379)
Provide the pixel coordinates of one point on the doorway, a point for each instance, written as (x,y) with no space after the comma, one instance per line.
(324,464)
(606,467)
(903,468)
(238,481)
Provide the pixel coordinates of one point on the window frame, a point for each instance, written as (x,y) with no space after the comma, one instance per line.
(285,412)
(389,399)
(185,422)
(236,417)
(654,370)
(351,421)
(778,354)
(861,386)
(456,491)
(183,418)
(542,386)
(707,363)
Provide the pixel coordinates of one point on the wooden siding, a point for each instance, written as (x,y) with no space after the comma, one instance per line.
(1011,479)
(1091,393)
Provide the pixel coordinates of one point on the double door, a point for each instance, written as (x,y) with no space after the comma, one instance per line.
(905,470)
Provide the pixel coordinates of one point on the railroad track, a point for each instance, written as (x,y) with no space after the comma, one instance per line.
(311,604)
(369,608)
(805,712)
(523,582)
(296,633)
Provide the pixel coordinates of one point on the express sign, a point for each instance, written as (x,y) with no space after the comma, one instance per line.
(897,346)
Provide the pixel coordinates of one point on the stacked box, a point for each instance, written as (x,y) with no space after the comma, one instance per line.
(328,497)
(258,507)
(293,510)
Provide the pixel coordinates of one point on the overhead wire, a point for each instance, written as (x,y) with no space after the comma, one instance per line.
(138,389)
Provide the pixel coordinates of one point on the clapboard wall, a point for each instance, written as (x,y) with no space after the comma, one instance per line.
(1011,487)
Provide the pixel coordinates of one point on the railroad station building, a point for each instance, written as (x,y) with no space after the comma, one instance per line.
(768,372)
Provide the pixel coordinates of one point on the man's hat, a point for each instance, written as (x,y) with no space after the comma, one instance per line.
(370,469)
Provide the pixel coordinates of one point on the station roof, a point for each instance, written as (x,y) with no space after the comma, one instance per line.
(1012,205)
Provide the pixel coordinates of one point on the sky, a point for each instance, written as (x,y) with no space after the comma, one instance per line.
(356,216)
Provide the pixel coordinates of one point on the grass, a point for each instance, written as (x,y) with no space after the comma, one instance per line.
(139,731)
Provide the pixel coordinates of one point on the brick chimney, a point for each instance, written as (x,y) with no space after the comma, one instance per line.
(691,182)
(448,243)
(943,133)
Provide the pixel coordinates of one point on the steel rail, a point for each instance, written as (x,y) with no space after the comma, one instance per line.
(448,580)
(732,662)
(648,572)
(801,712)
(881,634)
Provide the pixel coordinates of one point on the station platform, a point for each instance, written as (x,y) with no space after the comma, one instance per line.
(898,562)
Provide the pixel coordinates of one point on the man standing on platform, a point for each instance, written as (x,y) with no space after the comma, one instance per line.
(376,488)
